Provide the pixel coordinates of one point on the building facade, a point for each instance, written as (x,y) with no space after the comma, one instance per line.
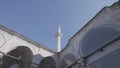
(18,51)
(96,45)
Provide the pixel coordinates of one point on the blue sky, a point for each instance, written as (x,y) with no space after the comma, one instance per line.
(39,19)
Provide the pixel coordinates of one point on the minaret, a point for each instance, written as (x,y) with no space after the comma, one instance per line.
(58,39)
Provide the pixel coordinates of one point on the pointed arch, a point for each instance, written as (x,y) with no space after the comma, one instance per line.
(98,37)
(47,62)
(22,51)
(68,59)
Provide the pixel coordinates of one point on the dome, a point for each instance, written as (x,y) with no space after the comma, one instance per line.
(98,37)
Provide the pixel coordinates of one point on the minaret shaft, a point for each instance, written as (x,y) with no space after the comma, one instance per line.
(58,39)
(58,44)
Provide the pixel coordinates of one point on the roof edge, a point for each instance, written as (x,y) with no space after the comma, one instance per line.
(103,9)
(12,32)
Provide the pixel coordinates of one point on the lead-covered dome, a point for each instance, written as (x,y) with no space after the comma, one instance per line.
(98,37)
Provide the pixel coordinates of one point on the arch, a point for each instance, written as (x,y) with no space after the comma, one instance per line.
(36,60)
(24,62)
(47,62)
(67,60)
(97,37)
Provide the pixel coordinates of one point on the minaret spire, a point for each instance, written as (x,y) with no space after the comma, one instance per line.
(58,39)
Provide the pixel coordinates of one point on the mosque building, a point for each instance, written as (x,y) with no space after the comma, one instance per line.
(96,45)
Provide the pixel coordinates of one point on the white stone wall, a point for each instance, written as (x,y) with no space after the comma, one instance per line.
(10,40)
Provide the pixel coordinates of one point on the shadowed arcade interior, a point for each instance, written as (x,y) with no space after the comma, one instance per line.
(47,62)
(67,60)
(25,60)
